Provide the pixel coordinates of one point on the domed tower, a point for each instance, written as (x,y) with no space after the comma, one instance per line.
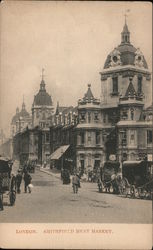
(20,120)
(125,92)
(123,62)
(42,106)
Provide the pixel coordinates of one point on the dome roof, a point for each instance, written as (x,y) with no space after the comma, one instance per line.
(126,53)
(23,113)
(42,98)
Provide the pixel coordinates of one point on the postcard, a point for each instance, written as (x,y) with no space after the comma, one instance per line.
(76,125)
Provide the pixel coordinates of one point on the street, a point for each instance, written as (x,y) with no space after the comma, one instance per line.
(53,202)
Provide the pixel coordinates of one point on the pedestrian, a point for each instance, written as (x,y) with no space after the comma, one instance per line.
(18,181)
(75,183)
(27,181)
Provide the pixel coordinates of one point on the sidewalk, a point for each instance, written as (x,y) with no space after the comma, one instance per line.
(52,172)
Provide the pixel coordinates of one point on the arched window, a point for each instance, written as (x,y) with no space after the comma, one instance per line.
(132,114)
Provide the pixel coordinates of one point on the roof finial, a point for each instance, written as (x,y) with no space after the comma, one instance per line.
(43,74)
(23,104)
(89,85)
(126,15)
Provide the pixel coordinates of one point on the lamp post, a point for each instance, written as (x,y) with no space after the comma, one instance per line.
(62,159)
(122,133)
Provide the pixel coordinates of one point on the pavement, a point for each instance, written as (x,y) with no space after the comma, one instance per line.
(53,172)
(53,202)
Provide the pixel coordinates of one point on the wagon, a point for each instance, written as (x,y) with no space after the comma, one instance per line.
(138,179)
(108,177)
(7,182)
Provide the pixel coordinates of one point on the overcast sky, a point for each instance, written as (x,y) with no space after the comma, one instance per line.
(71,40)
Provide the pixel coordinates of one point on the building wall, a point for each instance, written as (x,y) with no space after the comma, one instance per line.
(123,82)
(40,115)
(6,149)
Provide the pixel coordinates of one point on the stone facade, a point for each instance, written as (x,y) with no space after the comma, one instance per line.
(89,147)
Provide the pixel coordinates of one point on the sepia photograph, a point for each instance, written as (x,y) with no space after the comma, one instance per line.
(76,124)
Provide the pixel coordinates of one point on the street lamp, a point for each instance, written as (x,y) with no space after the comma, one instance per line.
(122,133)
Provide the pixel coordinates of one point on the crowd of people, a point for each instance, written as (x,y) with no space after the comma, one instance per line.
(27,181)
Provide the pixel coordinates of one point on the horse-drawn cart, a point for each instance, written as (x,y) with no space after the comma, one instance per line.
(109,177)
(138,179)
(7,182)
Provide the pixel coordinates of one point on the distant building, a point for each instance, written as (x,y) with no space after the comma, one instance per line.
(27,145)
(2,136)
(42,107)
(20,120)
(63,137)
(6,148)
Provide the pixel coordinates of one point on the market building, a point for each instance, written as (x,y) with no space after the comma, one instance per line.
(126,92)
(89,148)
(63,138)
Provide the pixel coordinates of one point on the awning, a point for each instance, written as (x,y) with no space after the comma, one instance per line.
(58,153)
(131,163)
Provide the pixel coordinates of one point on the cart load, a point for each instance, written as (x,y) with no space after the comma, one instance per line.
(138,179)
(7,181)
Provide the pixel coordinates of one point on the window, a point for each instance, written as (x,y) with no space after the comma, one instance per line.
(43,116)
(89,136)
(97,137)
(42,124)
(82,116)
(115,85)
(124,156)
(132,113)
(104,118)
(132,137)
(37,114)
(123,138)
(139,84)
(96,118)
(82,137)
(124,115)
(89,117)
(149,137)
(47,137)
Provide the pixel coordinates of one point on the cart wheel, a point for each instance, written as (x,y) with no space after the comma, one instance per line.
(12,197)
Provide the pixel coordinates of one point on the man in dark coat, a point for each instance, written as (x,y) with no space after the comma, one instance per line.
(75,183)
(18,181)
(27,180)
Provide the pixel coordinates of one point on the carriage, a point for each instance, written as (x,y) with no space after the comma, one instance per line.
(7,182)
(109,177)
(138,179)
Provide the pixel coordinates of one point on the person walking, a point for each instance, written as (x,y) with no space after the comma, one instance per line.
(18,181)
(75,183)
(27,182)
